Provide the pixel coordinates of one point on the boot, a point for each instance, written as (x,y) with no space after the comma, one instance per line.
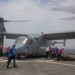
(14,65)
(7,67)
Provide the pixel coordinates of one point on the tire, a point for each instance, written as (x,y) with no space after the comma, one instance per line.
(18,56)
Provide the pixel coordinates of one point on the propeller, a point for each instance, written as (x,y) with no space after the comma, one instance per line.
(71,18)
(2,20)
(16,20)
(69,9)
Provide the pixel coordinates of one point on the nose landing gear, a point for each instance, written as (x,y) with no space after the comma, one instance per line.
(18,56)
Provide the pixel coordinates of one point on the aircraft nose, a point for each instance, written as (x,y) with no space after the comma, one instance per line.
(19,48)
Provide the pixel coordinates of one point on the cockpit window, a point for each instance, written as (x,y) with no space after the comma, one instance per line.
(29,41)
(20,40)
(24,40)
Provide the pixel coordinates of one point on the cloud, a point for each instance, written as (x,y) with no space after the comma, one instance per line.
(30,9)
(48,2)
(41,17)
(39,12)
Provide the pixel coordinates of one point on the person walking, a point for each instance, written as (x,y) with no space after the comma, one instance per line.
(50,52)
(11,55)
(53,53)
(56,49)
(59,54)
(47,52)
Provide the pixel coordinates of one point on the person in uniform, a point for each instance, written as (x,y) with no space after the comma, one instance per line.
(11,56)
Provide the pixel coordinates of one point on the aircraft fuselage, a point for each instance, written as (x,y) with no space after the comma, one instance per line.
(30,46)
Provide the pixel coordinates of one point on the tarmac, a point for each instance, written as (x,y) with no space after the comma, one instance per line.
(38,66)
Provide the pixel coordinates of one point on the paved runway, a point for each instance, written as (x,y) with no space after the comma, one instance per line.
(38,66)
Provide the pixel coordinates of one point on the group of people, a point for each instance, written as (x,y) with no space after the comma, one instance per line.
(53,52)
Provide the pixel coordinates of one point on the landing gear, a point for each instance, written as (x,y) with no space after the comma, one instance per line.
(31,55)
(18,56)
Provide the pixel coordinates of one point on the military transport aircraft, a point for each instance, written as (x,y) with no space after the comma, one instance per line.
(27,44)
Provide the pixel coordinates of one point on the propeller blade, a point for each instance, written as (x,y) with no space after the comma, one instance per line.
(71,18)
(68,9)
(16,20)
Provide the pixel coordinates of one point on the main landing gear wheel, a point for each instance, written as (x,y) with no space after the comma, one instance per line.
(18,56)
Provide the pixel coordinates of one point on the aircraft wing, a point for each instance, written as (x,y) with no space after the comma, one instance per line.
(59,36)
(11,35)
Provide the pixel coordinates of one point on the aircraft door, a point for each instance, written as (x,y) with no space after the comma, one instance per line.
(29,45)
(35,46)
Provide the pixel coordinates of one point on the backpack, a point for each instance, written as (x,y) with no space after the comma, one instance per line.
(11,52)
(53,51)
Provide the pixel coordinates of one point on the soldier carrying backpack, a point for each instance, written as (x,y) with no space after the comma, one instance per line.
(11,55)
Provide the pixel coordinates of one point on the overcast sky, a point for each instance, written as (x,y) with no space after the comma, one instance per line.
(43,18)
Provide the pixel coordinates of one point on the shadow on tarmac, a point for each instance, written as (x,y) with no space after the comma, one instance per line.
(4,68)
(32,57)
(43,56)
(67,58)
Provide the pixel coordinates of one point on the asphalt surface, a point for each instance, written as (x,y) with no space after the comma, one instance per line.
(38,66)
